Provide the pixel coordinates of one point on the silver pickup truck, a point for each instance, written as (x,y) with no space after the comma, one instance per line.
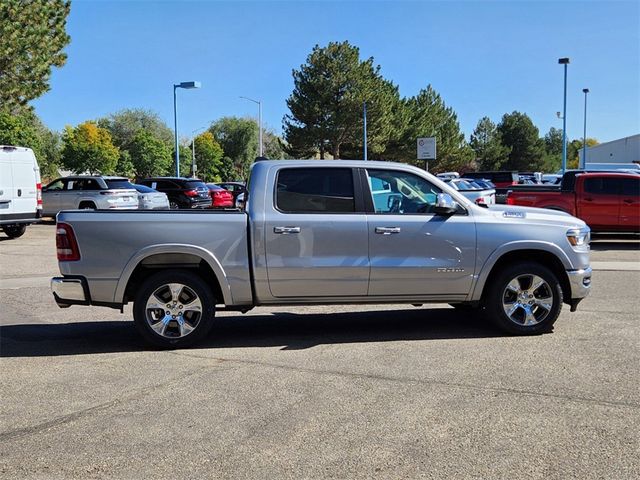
(325,232)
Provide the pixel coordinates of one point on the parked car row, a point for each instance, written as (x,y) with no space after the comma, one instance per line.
(100,192)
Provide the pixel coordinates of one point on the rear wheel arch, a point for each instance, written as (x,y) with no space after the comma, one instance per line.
(143,266)
(86,204)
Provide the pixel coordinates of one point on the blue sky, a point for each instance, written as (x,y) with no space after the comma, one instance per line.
(484,58)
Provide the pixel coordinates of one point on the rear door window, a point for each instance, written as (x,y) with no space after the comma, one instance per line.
(603,186)
(315,190)
(118,183)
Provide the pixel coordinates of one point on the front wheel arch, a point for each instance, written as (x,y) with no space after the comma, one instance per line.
(541,257)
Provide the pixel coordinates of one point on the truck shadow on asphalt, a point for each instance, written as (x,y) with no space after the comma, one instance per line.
(601,242)
(287,330)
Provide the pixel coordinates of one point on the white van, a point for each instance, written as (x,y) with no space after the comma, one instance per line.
(20,190)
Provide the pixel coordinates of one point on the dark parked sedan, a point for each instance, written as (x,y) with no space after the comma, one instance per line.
(182,192)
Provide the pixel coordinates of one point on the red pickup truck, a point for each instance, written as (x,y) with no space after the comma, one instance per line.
(607,202)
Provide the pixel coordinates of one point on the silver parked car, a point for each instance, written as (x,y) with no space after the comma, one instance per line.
(477,191)
(150,199)
(87,192)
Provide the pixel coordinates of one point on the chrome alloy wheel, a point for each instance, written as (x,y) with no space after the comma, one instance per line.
(173,310)
(527,300)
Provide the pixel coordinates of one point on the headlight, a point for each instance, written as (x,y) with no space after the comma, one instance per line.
(579,237)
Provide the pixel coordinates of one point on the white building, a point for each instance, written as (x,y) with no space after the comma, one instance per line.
(623,150)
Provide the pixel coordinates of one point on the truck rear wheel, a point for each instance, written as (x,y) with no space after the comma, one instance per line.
(14,230)
(174,309)
(524,299)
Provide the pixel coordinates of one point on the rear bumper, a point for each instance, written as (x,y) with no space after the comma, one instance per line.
(69,291)
(580,283)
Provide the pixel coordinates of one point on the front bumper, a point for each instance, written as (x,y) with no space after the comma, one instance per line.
(69,291)
(580,283)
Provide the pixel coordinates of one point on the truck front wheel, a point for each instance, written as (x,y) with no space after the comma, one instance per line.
(524,299)
(174,309)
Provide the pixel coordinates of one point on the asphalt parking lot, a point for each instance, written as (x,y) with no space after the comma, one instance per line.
(319,392)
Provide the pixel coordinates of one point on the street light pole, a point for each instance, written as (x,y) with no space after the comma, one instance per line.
(584,136)
(259,102)
(186,85)
(565,62)
(364,115)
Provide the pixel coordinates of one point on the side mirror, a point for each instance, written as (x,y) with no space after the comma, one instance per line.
(445,205)
(240,201)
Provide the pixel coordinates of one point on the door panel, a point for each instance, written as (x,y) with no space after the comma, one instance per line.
(600,205)
(428,255)
(315,239)
(412,251)
(326,256)
(630,204)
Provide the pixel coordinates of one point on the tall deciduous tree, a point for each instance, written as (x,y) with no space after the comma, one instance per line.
(486,143)
(149,155)
(125,124)
(208,157)
(327,103)
(32,37)
(238,138)
(88,148)
(523,138)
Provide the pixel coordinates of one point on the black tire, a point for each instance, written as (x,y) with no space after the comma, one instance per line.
(534,309)
(173,205)
(87,206)
(169,332)
(14,230)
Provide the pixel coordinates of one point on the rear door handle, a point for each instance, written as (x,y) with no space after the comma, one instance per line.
(286,230)
(387,230)
(628,201)
(588,199)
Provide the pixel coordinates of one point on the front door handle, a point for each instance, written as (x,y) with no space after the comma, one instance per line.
(286,230)
(628,201)
(387,230)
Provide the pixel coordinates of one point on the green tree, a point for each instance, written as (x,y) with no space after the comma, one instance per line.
(486,143)
(125,166)
(25,129)
(274,147)
(426,115)
(125,124)
(88,148)
(208,157)
(150,156)
(327,103)
(523,138)
(575,146)
(238,138)
(32,37)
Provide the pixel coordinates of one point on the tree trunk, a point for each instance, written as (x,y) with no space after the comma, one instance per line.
(336,151)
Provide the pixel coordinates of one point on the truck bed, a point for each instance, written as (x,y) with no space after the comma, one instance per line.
(110,242)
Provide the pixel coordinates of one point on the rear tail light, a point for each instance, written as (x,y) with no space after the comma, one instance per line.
(480,201)
(66,244)
(191,193)
(39,195)
(109,192)
(510,201)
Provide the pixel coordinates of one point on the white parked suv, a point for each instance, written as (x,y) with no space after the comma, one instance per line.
(87,192)
(20,200)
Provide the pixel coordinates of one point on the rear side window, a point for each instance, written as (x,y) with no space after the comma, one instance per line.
(631,187)
(119,183)
(321,190)
(602,186)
